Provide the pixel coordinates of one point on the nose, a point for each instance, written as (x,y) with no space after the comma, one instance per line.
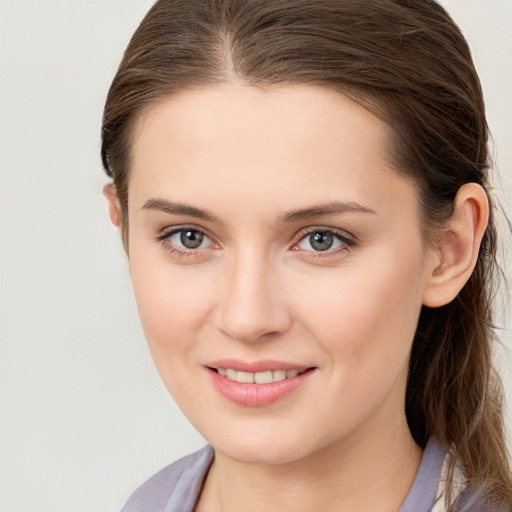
(252,306)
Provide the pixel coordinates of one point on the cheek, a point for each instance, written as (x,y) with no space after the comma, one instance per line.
(364,323)
(173,303)
(366,315)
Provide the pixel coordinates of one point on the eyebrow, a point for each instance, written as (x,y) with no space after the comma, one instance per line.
(322,210)
(179,208)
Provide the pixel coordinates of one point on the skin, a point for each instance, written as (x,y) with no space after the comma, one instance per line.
(257,289)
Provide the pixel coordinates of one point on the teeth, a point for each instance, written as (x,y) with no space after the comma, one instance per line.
(279,375)
(246,377)
(263,377)
(258,377)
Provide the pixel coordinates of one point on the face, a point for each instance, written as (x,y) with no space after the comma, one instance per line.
(278,267)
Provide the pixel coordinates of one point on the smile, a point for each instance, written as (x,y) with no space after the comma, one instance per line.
(266,384)
(265,377)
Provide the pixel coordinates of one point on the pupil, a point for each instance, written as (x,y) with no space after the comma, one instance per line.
(321,241)
(191,239)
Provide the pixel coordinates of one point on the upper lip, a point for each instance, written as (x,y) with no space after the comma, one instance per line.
(256,366)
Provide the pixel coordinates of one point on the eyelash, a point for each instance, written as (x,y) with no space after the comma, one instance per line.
(177,251)
(348,243)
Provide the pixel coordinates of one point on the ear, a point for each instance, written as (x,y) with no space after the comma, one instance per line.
(457,251)
(114,206)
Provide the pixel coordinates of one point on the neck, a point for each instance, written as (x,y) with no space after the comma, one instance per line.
(355,473)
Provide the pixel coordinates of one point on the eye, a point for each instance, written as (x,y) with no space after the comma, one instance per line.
(324,240)
(320,240)
(184,240)
(189,238)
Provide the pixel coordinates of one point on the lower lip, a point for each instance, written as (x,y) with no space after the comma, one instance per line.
(256,395)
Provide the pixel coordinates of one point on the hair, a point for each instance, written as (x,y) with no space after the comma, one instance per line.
(408,63)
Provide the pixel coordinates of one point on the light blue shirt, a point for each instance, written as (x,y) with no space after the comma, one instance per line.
(176,488)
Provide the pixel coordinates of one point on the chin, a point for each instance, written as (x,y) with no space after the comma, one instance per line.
(271,449)
(262,454)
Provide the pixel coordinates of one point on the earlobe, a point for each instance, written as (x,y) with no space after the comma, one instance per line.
(457,252)
(114,207)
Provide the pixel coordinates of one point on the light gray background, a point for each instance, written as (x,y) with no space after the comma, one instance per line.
(83,415)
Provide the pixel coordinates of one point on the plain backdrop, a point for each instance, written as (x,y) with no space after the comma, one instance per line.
(83,416)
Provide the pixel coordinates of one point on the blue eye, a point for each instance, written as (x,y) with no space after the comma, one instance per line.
(322,240)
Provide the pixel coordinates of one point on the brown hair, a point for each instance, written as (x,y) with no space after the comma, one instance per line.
(408,63)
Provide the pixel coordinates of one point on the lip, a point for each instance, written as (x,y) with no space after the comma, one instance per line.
(256,366)
(256,395)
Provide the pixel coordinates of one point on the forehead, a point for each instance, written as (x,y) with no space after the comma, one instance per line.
(277,119)
(245,143)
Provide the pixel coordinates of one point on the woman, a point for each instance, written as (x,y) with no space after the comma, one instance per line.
(302,191)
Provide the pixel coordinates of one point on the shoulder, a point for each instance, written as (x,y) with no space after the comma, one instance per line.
(473,501)
(175,487)
(428,491)
(464,497)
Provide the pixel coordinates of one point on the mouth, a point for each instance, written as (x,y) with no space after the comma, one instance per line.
(264,377)
(267,383)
